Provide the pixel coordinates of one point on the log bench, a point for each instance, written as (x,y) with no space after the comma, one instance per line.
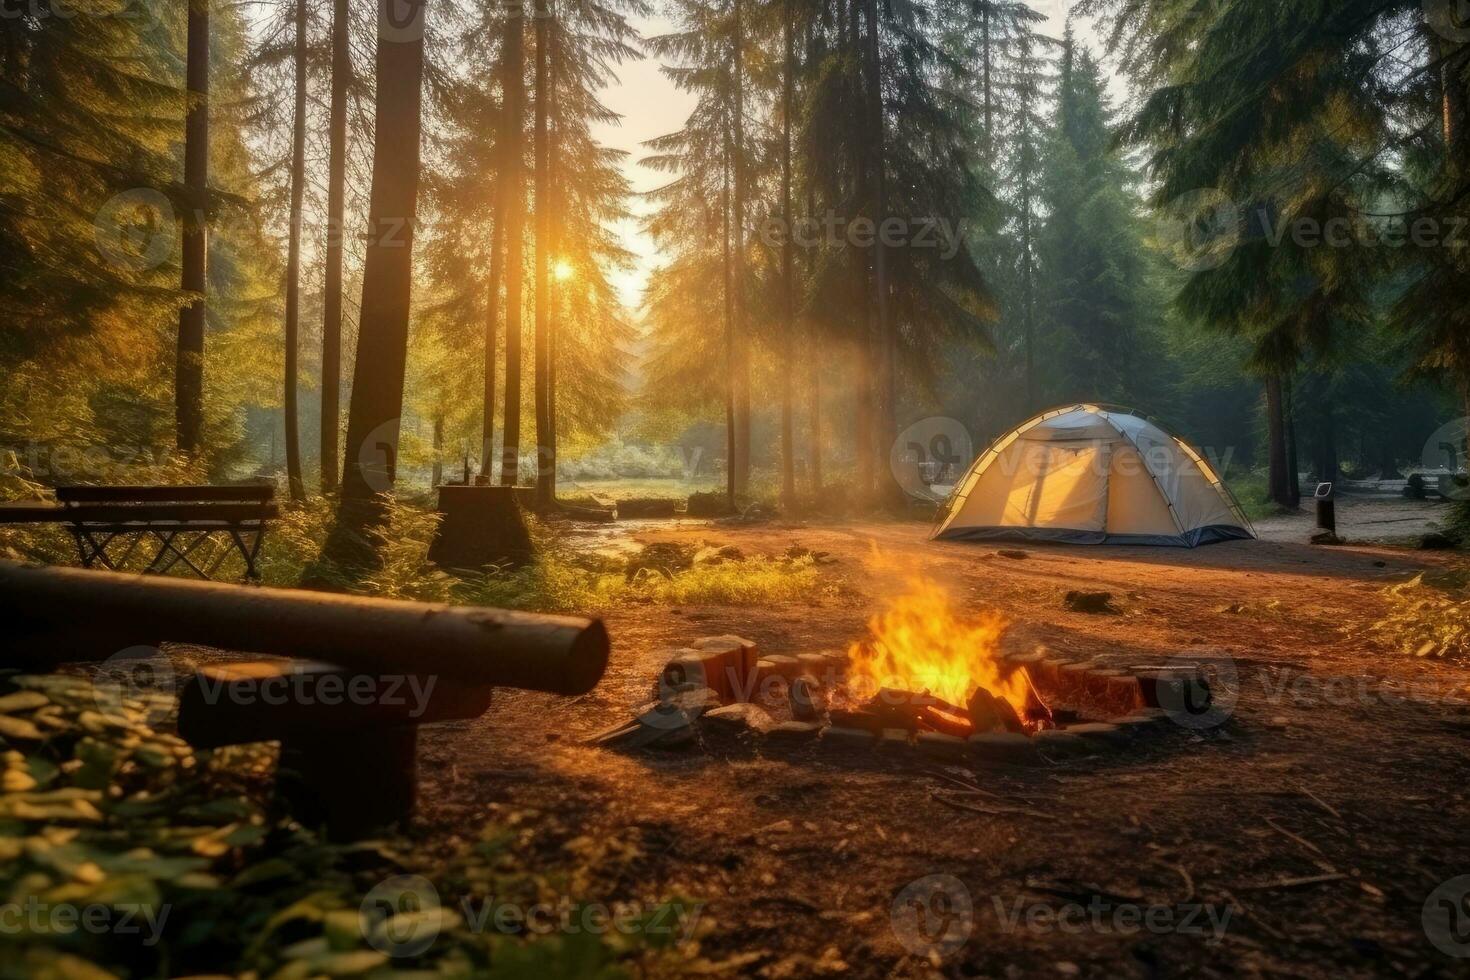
(357,678)
(348,740)
(190,527)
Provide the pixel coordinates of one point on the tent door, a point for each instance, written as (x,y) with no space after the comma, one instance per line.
(1070,489)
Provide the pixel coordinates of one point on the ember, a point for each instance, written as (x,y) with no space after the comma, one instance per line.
(923,661)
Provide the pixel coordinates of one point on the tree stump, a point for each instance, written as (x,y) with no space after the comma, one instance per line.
(480,526)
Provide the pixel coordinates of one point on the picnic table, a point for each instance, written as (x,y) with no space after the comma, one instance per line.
(163,527)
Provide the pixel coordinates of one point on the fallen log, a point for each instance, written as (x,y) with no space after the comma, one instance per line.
(64,615)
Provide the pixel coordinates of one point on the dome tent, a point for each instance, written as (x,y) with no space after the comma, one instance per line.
(1088,474)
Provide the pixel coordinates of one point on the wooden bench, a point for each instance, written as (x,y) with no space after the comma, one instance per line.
(193,527)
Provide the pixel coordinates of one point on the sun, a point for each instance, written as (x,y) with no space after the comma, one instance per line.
(562,270)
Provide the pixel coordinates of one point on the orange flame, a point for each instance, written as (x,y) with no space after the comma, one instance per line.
(919,645)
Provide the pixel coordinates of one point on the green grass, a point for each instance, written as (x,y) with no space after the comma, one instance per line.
(639,488)
(1250,490)
(560,581)
(1428,616)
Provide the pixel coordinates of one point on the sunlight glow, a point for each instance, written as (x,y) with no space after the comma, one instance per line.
(562,270)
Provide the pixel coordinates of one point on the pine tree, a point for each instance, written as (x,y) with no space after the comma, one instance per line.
(1097,313)
(513,214)
(92,111)
(1280,108)
(189,371)
(331,367)
(293,261)
(376,408)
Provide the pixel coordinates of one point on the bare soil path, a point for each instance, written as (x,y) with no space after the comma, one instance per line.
(1302,838)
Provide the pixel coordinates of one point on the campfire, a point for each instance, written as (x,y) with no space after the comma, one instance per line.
(931,675)
(924,668)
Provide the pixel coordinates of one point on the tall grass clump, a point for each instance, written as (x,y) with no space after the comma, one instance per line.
(1428,616)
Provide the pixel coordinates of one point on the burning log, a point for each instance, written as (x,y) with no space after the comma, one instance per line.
(1036,712)
(989,713)
(946,720)
(911,712)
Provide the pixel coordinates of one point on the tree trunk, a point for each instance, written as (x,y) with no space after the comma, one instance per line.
(556,218)
(336,210)
(985,80)
(1293,462)
(375,410)
(497,259)
(742,340)
(189,366)
(813,328)
(545,488)
(436,478)
(1453,89)
(730,440)
(512,137)
(814,359)
(1028,297)
(788,271)
(1327,460)
(293,264)
(863,381)
(887,402)
(1278,490)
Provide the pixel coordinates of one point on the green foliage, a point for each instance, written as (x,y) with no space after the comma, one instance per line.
(1099,311)
(1428,616)
(559,581)
(181,864)
(1250,492)
(91,119)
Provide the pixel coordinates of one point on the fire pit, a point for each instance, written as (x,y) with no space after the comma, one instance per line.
(924,681)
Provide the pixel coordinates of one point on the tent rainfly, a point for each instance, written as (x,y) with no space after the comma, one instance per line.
(1086,474)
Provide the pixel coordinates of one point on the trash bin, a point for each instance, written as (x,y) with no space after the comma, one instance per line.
(1326,507)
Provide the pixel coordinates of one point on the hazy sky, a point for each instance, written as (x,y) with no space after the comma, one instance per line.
(651,106)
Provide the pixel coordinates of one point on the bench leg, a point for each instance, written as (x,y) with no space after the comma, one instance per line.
(250,552)
(352,784)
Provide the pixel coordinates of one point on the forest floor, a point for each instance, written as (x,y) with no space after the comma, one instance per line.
(1301,838)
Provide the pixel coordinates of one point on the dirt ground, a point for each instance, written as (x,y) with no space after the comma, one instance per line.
(1301,838)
